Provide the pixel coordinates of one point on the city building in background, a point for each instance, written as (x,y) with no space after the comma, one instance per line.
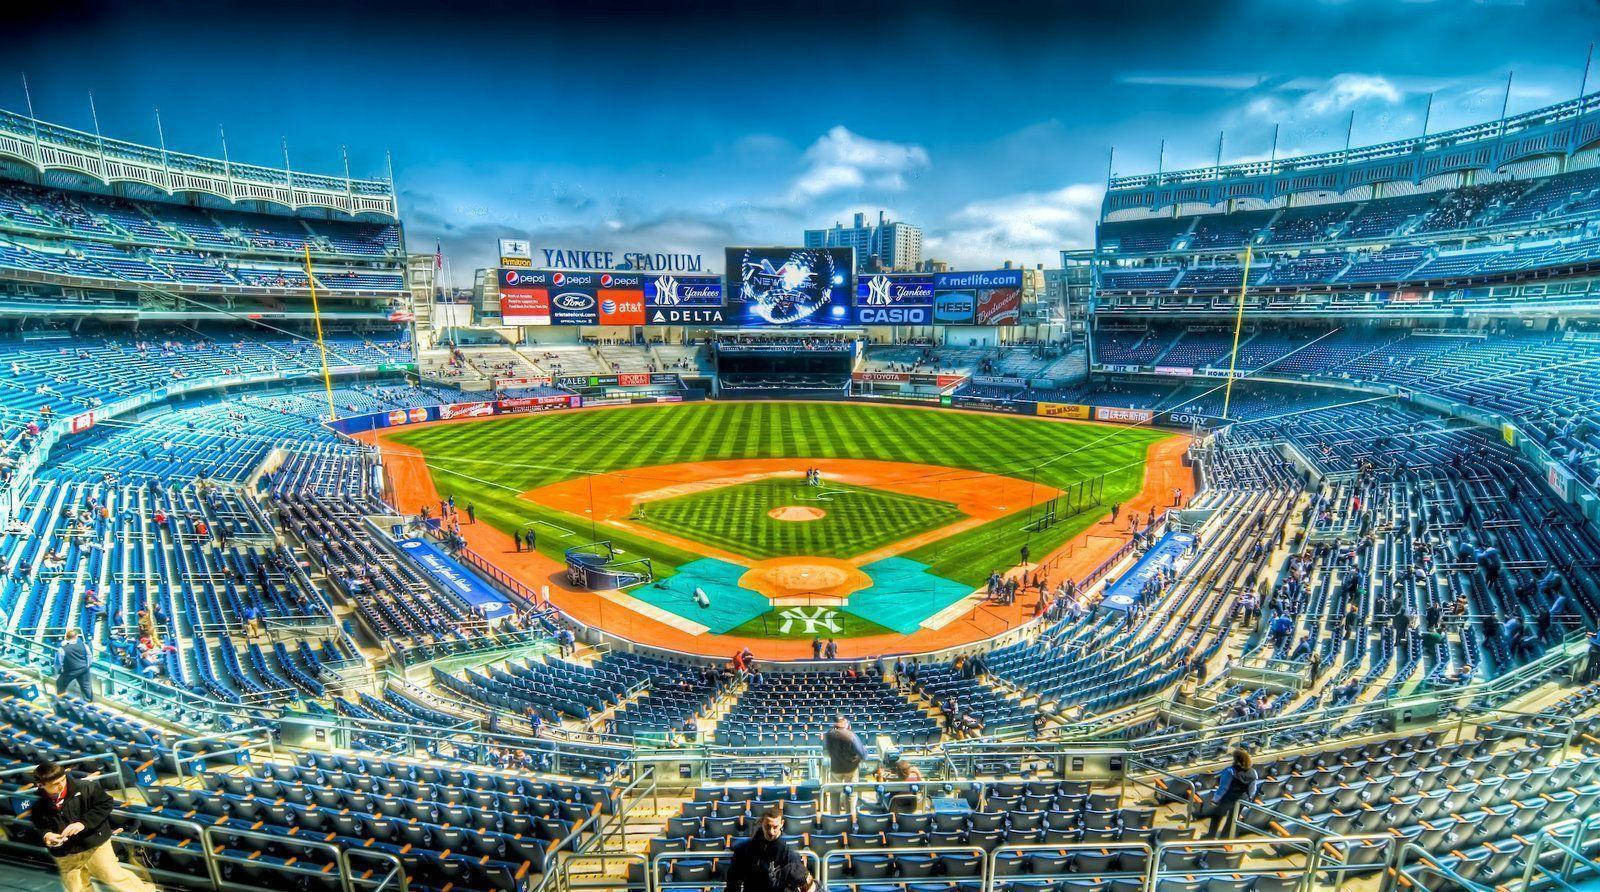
(886,246)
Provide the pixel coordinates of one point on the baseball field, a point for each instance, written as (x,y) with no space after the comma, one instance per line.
(958,492)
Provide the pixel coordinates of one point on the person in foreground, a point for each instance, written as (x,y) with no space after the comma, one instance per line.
(765,863)
(74,816)
(1236,782)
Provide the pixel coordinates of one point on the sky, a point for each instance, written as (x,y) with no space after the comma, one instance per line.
(624,126)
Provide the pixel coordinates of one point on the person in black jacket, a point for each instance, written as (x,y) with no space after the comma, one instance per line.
(765,863)
(72,664)
(74,816)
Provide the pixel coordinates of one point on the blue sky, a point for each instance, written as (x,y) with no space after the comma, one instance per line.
(628,126)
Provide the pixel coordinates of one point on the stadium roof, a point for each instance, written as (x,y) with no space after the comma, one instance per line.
(1556,130)
(44,146)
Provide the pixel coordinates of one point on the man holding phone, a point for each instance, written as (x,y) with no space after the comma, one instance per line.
(74,815)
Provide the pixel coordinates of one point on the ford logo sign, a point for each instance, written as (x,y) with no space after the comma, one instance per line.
(573,301)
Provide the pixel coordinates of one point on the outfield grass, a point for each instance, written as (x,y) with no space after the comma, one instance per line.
(489,463)
(857,519)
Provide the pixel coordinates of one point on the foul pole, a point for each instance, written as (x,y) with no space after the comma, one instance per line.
(322,346)
(1238,325)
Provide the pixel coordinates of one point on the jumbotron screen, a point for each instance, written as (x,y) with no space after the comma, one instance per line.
(790,286)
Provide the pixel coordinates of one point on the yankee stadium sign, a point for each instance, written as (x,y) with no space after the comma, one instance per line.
(574,258)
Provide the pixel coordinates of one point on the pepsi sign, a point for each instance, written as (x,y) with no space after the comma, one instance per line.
(524,278)
(892,315)
(633,281)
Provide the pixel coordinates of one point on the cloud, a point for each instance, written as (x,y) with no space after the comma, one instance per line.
(1346,90)
(842,160)
(1197,80)
(1028,227)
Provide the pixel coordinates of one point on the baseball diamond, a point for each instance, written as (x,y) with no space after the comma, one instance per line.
(691,487)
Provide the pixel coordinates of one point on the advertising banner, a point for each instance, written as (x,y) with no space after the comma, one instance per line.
(969,281)
(573,299)
(512,383)
(524,278)
(900,377)
(1064,410)
(665,378)
(408,416)
(540,403)
(949,380)
(77,424)
(895,290)
(525,306)
(999,306)
(954,307)
(516,252)
(1186,419)
(621,306)
(633,379)
(685,316)
(1127,416)
(683,291)
(465,410)
(454,577)
(1174,370)
(1012,407)
(894,315)
(998,381)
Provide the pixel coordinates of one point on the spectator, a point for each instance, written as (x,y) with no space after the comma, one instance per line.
(1591,669)
(72,666)
(845,755)
(897,770)
(1237,781)
(73,814)
(765,863)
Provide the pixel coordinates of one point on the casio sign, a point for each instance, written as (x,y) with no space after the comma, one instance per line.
(572,300)
(893,315)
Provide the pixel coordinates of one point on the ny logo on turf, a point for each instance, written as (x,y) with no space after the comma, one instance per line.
(817,620)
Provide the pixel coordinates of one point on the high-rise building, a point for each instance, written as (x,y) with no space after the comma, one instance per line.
(888,246)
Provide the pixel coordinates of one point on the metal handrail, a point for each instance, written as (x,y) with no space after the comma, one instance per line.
(992,857)
(1580,829)
(109,757)
(397,871)
(215,856)
(264,741)
(654,884)
(1426,863)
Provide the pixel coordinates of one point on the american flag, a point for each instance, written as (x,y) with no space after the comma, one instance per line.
(438,254)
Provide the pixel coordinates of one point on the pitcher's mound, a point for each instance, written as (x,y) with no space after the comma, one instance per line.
(796,513)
